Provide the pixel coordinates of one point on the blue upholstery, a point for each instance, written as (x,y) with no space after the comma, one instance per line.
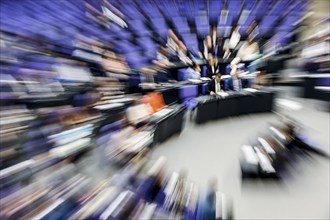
(204,71)
(86,99)
(204,89)
(323,81)
(134,81)
(187,94)
(182,74)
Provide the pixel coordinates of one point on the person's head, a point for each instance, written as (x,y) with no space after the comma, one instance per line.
(213,29)
(208,41)
(210,57)
(215,61)
(196,67)
(218,77)
(182,47)
(164,51)
(235,27)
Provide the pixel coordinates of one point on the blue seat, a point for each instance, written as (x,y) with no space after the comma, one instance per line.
(182,74)
(187,94)
(134,81)
(86,99)
(204,71)
(204,89)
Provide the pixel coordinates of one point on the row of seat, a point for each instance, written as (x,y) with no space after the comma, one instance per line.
(62,21)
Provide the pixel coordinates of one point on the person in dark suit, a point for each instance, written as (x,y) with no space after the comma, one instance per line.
(218,50)
(216,85)
(163,76)
(213,67)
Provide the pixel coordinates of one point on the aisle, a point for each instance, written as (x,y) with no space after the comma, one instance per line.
(211,150)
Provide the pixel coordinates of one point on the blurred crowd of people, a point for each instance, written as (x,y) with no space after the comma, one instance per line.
(68,115)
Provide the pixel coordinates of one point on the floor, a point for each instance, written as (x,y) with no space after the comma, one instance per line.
(211,150)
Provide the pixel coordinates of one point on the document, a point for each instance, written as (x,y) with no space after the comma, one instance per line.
(250,90)
(222,94)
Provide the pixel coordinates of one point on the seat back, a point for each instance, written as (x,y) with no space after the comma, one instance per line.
(182,74)
(134,81)
(325,81)
(155,100)
(86,99)
(188,92)
(204,71)
(204,89)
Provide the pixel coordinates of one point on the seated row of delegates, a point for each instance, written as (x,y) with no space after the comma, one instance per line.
(233,83)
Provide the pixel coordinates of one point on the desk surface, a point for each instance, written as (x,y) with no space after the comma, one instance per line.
(231,94)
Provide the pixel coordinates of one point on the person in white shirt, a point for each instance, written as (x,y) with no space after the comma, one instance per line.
(231,44)
(248,51)
(235,38)
(234,83)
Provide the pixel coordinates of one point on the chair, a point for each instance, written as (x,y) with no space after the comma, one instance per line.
(182,74)
(186,96)
(204,71)
(86,99)
(155,100)
(322,87)
(133,83)
(204,89)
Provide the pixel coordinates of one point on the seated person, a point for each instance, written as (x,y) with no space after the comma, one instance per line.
(163,76)
(183,53)
(163,58)
(248,52)
(261,78)
(235,83)
(148,75)
(213,67)
(216,85)
(193,72)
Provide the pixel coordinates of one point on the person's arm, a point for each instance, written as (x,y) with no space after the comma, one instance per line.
(210,88)
(222,85)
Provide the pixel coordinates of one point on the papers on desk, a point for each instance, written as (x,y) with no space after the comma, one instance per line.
(16,168)
(250,155)
(70,148)
(121,100)
(250,90)
(162,112)
(148,85)
(195,80)
(266,145)
(205,78)
(225,76)
(264,162)
(137,142)
(222,94)
(138,113)
(323,88)
(108,106)
(166,84)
